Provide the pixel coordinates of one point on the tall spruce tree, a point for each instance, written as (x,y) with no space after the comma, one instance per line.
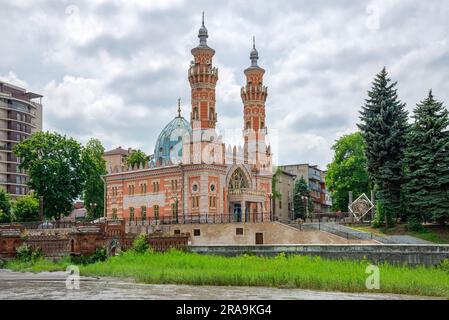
(427,162)
(383,127)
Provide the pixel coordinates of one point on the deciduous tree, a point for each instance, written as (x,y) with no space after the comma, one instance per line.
(348,171)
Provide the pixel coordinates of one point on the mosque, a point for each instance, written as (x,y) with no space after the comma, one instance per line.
(193,176)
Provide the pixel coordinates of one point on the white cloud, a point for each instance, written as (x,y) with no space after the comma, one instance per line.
(114,69)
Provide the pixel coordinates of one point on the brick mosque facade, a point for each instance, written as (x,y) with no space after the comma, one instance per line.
(193,175)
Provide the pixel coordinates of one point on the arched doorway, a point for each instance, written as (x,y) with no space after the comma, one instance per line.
(237,184)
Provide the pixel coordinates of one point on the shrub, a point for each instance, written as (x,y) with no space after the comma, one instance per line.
(140,244)
(98,256)
(414,224)
(26,253)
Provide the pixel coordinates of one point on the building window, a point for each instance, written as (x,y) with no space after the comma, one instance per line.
(114,213)
(195,202)
(144,213)
(195,113)
(196,232)
(195,188)
(280,204)
(212,201)
(211,113)
(131,214)
(156,212)
(212,187)
(155,186)
(177,232)
(239,231)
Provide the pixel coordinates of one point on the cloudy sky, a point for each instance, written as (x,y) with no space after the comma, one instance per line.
(114,69)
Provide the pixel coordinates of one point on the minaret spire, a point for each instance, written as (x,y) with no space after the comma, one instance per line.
(179,107)
(202,34)
(254,55)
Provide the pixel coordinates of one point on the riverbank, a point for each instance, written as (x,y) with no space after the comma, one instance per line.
(301,272)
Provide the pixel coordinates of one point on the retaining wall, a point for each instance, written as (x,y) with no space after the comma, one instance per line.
(395,254)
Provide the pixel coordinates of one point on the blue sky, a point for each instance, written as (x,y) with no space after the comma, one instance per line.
(115,69)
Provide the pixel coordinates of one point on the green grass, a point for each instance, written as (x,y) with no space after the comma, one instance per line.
(288,272)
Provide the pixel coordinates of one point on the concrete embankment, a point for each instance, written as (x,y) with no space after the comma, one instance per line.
(395,254)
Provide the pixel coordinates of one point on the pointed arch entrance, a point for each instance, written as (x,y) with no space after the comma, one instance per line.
(245,203)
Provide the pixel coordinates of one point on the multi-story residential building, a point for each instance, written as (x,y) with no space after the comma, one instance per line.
(20,117)
(283,206)
(315,178)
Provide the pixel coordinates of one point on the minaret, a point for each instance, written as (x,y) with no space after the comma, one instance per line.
(254,95)
(205,145)
(203,79)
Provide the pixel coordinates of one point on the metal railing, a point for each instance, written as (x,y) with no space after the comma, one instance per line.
(204,219)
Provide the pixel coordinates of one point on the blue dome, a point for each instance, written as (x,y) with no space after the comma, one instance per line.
(168,149)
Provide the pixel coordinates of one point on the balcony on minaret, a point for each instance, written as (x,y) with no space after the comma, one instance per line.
(251,92)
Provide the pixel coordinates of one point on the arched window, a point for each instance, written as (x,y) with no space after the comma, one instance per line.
(238,180)
(195,113)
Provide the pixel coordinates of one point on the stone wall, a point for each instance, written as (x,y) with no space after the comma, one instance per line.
(245,234)
(395,254)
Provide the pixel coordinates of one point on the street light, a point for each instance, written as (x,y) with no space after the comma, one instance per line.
(305,200)
(92,208)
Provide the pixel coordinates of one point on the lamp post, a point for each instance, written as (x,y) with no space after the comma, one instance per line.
(41,208)
(92,208)
(305,199)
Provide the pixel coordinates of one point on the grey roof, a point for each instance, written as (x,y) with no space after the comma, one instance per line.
(118,150)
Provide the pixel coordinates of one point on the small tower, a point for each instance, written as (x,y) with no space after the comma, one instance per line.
(254,95)
(205,145)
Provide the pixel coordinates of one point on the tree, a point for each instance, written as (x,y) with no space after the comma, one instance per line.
(348,170)
(427,163)
(300,204)
(5,207)
(55,167)
(383,127)
(137,157)
(26,209)
(95,168)
(274,188)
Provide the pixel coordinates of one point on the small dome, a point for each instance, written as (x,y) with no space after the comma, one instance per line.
(168,149)
(254,55)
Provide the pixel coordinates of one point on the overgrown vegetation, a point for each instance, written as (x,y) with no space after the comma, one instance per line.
(175,267)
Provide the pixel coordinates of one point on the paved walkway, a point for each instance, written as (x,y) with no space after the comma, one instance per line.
(350,233)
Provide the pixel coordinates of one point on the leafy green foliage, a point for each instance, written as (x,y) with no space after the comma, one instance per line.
(95,168)
(274,183)
(427,163)
(300,206)
(99,255)
(140,244)
(383,127)
(348,171)
(26,208)
(5,207)
(25,253)
(137,157)
(55,168)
